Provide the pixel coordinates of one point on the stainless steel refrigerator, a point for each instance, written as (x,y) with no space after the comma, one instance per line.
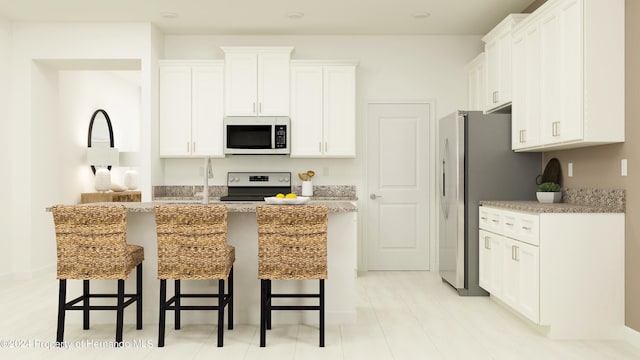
(476,163)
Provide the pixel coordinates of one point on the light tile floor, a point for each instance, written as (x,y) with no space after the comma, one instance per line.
(401,315)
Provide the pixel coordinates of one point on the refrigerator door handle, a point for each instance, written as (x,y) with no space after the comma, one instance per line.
(443,197)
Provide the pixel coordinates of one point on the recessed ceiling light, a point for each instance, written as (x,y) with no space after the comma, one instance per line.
(295,15)
(421,15)
(169,15)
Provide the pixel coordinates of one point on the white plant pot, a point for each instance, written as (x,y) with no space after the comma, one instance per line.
(549,197)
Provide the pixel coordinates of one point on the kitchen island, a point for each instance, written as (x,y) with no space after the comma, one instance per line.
(243,235)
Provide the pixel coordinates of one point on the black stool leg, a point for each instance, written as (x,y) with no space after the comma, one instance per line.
(321,312)
(85,304)
(220,311)
(139,297)
(268,304)
(62,295)
(120,312)
(263,314)
(177,304)
(163,311)
(230,299)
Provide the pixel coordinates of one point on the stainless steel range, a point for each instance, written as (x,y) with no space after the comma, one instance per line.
(255,186)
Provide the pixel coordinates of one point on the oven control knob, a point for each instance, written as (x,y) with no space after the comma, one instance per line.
(236,179)
(284,179)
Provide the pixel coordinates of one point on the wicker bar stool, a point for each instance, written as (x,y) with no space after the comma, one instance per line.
(292,245)
(91,245)
(192,245)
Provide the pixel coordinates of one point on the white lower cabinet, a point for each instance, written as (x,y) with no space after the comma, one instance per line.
(562,271)
(491,262)
(521,274)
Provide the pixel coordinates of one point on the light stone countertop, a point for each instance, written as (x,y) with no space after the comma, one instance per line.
(232,206)
(574,201)
(536,207)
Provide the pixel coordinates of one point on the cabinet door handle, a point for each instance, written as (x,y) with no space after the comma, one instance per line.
(513,252)
(260,108)
(326,147)
(526,228)
(495,221)
(483,218)
(555,128)
(510,224)
(188,146)
(254,108)
(517,251)
(320,147)
(487,242)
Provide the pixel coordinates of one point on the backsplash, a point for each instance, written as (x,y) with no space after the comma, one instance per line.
(605,198)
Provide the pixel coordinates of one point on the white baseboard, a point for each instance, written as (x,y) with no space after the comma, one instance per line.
(632,336)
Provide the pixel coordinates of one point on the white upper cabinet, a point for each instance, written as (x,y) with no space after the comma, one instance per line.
(323,109)
(257,81)
(477,83)
(191,108)
(498,63)
(525,108)
(578,98)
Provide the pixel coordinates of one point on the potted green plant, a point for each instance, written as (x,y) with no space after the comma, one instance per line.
(549,192)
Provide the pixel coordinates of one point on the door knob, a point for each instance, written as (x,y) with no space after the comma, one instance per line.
(374,196)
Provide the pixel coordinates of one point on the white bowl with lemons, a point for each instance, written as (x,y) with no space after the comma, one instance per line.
(288,199)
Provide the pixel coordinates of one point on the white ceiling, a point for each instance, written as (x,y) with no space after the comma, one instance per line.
(455,17)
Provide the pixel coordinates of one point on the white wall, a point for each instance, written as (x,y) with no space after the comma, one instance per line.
(80,94)
(5,134)
(41,170)
(390,68)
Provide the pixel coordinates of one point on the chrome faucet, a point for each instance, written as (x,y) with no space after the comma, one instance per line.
(208,172)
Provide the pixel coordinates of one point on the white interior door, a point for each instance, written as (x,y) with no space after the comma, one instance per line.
(399,184)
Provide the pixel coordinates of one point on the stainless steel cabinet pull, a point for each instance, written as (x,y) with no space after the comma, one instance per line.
(495,221)
(510,224)
(326,147)
(526,228)
(188,146)
(194,146)
(259,107)
(320,147)
(513,252)
(517,251)
(483,218)
(254,108)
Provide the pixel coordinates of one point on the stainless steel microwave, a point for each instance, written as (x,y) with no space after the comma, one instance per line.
(257,135)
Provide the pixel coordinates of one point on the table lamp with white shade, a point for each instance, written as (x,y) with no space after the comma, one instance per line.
(102,157)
